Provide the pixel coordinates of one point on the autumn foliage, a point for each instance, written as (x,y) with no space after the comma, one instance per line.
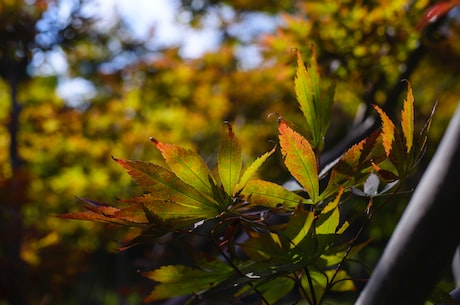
(267,240)
(242,194)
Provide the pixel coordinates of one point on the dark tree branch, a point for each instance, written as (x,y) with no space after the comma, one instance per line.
(427,234)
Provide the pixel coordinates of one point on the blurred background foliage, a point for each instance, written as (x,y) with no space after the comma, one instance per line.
(60,123)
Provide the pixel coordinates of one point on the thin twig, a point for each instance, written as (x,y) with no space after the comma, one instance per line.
(229,261)
(310,284)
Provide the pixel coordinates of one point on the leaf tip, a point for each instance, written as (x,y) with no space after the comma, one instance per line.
(281,120)
(272,114)
(230,128)
(153,140)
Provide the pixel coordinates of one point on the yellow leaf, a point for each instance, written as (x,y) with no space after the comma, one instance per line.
(388,130)
(407,118)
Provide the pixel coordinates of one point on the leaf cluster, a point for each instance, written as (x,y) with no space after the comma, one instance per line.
(269,240)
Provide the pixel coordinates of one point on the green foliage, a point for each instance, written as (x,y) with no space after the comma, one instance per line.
(364,48)
(289,241)
(317,110)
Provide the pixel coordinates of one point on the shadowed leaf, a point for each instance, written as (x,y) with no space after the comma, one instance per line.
(167,209)
(182,280)
(299,225)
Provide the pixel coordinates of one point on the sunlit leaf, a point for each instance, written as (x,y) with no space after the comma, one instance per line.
(329,223)
(407,119)
(187,165)
(334,203)
(252,169)
(307,87)
(182,280)
(229,160)
(165,185)
(388,130)
(306,95)
(268,194)
(299,159)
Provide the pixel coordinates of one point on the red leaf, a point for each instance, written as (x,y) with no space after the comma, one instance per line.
(435,12)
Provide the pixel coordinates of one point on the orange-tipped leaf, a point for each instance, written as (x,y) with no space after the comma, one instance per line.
(388,130)
(299,159)
(187,165)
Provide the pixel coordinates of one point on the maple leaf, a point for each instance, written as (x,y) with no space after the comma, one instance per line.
(229,160)
(317,112)
(299,159)
(388,130)
(407,119)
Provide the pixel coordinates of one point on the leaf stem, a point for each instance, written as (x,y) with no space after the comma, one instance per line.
(302,289)
(311,286)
